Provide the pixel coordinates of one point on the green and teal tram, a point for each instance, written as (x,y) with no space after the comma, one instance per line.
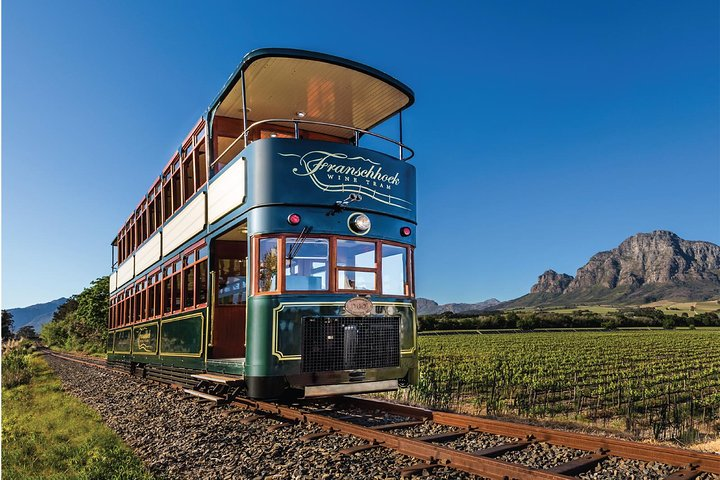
(276,247)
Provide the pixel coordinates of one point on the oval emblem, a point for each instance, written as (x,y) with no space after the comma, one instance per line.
(359,306)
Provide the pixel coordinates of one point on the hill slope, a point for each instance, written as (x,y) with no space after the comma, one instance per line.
(431,307)
(646,267)
(35,315)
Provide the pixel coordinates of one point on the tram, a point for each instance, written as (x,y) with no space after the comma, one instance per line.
(275,250)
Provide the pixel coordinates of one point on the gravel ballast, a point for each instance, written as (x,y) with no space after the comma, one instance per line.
(180,438)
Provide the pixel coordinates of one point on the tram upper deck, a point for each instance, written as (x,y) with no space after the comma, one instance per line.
(273,99)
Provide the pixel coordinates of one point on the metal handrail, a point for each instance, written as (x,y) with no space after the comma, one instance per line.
(296,122)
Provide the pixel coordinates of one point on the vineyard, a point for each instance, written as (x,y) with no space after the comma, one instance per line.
(662,383)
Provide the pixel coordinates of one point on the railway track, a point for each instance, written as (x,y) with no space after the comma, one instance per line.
(484,447)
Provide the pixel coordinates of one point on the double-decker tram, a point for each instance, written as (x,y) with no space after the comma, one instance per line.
(275,250)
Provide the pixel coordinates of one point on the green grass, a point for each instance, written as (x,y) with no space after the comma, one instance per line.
(48,434)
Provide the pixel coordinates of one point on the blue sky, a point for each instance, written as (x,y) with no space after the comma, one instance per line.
(544,131)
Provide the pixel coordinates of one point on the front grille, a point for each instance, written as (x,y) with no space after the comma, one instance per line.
(350,343)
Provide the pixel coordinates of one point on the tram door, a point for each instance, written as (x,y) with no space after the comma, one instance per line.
(229,252)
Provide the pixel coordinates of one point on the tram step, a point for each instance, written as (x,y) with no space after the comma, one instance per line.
(215,378)
(203,395)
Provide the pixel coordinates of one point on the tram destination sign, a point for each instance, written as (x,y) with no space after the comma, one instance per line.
(340,172)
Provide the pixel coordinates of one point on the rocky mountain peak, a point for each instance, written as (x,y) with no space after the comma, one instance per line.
(644,267)
(551,282)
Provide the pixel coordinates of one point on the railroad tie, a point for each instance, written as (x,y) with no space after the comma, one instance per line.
(579,465)
(417,468)
(360,448)
(443,437)
(501,449)
(316,436)
(395,426)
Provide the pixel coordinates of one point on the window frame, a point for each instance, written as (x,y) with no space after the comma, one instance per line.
(332,266)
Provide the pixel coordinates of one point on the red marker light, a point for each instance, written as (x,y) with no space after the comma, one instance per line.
(405,231)
(293,219)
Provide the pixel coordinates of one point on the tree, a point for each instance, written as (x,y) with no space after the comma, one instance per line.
(27,331)
(7,324)
(81,322)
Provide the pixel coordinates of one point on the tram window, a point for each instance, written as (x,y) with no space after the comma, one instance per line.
(151,217)
(394,272)
(308,268)
(355,280)
(189,286)
(151,297)
(137,298)
(167,198)
(167,294)
(200,173)
(200,136)
(128,307)
(353,253)
(202,284)
(232,282)
(189,177)
(176,197)
(268,265)
(176,292)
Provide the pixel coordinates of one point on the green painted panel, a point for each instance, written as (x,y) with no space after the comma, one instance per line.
(182,336)
(145,339)
(122,341)
(110,341)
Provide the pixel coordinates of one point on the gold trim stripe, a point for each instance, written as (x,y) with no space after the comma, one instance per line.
(202,335)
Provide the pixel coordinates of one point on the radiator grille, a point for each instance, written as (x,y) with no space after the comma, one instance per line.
(350,343)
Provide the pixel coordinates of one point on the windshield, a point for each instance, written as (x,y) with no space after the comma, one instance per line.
(316,264)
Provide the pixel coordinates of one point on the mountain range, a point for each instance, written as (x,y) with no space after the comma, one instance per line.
(644,268)
(426,306)
(35,315)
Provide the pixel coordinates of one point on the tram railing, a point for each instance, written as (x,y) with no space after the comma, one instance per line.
(242,141)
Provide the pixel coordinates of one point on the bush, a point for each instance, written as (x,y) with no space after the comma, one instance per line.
(610,323)
(15,367)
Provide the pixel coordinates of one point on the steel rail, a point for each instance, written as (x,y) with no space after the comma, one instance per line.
(436,455)
(646,452)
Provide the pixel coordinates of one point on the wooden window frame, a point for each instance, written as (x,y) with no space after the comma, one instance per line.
(332,266)
(195,250)
(377,270)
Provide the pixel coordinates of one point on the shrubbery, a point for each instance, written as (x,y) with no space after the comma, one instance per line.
(80,324)
(524,320)
(15,366)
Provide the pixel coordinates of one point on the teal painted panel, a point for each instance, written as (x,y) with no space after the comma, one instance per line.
(122,341)
(110,341)
(182,337)
(145,339)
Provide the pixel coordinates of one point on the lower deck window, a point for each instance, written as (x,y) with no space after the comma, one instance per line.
(268,265)
(332,264)
(306,264)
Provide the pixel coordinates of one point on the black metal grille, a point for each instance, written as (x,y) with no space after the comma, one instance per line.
(350,343)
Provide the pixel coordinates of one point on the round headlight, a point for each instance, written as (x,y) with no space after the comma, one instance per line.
(359,223)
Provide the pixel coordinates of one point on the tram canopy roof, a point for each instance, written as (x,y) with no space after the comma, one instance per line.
(288,83)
